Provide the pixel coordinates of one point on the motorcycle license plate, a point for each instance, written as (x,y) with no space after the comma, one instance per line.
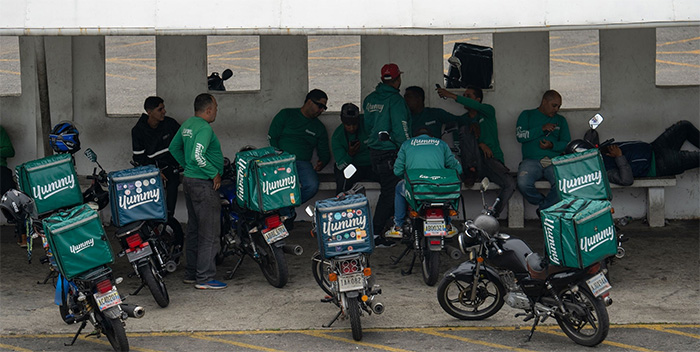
(434,228)
(276,234)
(136,255)
(598,284)
(108,299)
(351,282)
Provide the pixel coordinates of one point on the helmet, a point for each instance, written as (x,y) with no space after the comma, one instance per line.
(16,206)
(577,146)
(487,223)
(64,138)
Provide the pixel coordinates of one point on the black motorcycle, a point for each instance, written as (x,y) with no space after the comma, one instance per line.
(259,236)
(502,269)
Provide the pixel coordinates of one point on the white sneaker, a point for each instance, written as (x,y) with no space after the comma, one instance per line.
(394,232)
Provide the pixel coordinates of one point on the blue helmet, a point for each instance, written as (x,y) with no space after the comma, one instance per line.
(64,138)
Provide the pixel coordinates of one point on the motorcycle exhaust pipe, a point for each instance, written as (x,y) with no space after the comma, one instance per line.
(608,301)
(170,266)
(453,252)
(293,249)
(377,307)
(133,311)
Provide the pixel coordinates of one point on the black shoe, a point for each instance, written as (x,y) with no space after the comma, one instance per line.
(381,242)
(537,211)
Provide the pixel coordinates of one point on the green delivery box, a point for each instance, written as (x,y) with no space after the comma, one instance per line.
(432,185)
(582,175)
(579,232)
(267,180)
(78,241)
(51,182)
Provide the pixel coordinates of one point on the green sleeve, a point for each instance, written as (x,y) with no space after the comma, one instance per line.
(446,117)
(322,149)
(339,144)
(400,163)
(564,136)
(177,148)
(524,132)
(201,142)
(485,109)
(275,131)
(6,148)
(400,121)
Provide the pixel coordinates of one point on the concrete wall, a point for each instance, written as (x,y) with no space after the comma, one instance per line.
(633,106)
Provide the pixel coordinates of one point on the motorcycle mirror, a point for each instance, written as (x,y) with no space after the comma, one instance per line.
(454,61)
(349,171)
(91,155)
(384,136)
(485,183)
(595,121)
(310,211)
(226,74)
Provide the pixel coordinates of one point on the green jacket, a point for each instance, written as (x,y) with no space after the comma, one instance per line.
(340,146)
(433,119)
(385,110)
(486,117)
(6,148)
(297,134)
(529,132)
(197,149)
(425,152)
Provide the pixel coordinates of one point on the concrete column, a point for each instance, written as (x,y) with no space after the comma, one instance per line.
(181,72)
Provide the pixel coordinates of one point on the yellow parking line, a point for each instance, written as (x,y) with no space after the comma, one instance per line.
(134,44)
(14,348)
(576,54)
(679,41)
(10,72)
(573,47)
(434,332)
(239,67)
(221,42)
(233,52)
(346,340)
(9,60)
(677,63)
(333,47)
(682,333)
(670,52)
(120,76)
(334,57)
(575,62)
(123,62)
(458,40)
(229,342)
(103,341)
(550,330)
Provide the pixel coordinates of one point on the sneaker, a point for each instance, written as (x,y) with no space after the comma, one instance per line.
(451,231)
(211,285)
(394,232)
(189,281)
(380,242)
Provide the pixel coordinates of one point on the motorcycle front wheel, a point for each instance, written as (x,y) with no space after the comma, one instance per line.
(354,313)
(114,330)
(588,325)
(454,295)
(155,284)
(272,263)
(320,269)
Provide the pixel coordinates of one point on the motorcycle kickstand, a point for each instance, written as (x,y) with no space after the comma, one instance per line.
(229,273)
(534,325)
(334,319)
(410,267)
(50,275)
(82,326)
(403,254)
(143,284)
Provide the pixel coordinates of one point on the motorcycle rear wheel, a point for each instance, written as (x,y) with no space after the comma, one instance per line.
(155,284)
(114,330)
(454,296)
(354,313)
(430,263)
(320,270)
(588,329)
(272,263)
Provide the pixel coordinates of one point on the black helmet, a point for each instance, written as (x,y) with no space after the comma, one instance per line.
(64,138)
(577,146)
(16,206)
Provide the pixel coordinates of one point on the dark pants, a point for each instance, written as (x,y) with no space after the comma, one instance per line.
(7,182)
(383,167)
(670,159)
(498,174)
(203,229)
(171,190)
(364,173)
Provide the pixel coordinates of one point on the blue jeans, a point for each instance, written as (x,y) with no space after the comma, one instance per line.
(400,204)
(530,171)
(308,180)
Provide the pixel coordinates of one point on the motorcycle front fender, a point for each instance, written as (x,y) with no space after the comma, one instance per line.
(466,271)
(352,294)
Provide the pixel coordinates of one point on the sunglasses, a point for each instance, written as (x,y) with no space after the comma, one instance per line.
(320,105)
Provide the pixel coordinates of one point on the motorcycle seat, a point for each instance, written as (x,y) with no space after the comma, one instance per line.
(129,228)
(539,269)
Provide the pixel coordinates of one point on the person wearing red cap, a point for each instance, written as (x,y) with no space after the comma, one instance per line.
(386,110)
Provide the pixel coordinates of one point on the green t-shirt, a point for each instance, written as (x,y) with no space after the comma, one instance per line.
(529,133)
(297,134)
(340,146)
(197,149)
(486,118)
(425,152)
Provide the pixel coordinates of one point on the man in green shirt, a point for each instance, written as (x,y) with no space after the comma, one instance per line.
(386,110)
(431,118)
(543,134)
(197,149)
(298,131)
(490,157)
(349,146)
(7,180)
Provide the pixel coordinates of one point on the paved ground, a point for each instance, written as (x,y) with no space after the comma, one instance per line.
(657,282)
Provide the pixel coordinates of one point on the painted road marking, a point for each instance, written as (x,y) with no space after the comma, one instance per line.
(319,334)
(434,332)
(230,342)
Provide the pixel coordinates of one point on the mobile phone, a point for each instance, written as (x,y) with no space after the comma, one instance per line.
(438,86)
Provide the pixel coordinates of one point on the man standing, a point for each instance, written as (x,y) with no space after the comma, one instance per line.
(349,146)
(492,164)
(544,134)
(196,147)
(386,110)
(150,139)
(298,131)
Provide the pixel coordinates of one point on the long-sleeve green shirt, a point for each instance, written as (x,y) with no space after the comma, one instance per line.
(529,132)
(6,149)
(386,110)
(297,134)
(340,147)
(197,149)
(425,152)
(433,119)
(486,117)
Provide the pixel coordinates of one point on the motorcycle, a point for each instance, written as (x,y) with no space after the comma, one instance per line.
(347,277)
(216,82)
(249,233)
(503,269)
(147,244)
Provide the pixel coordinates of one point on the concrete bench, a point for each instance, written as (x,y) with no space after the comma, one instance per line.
(656,203)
